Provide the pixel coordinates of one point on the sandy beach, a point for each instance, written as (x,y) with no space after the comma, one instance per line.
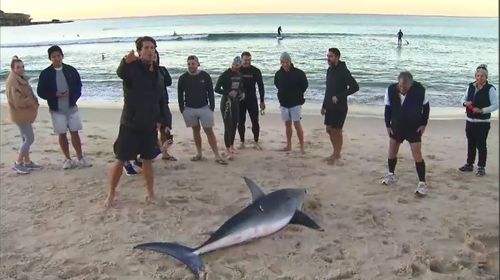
(53,225)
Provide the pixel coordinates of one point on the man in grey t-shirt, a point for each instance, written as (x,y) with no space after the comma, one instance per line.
(60,85)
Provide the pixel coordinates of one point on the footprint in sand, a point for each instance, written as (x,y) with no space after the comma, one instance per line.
(486,247)
(314,205)
(274,268)
(96,137)
(177,199)
(342,273)
(442,266)
(413,270)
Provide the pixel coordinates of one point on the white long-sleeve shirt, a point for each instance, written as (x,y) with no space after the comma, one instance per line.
(486,110)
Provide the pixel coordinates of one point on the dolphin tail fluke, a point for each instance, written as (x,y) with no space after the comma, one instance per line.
(184,254)
(300,218)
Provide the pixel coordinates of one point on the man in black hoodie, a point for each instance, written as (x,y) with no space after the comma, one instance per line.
(406,116)
(339,85)
(251,76)
(143,109)
(291,83)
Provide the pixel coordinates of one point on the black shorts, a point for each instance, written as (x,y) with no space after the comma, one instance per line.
(409,134)
(335,116)
(132,142)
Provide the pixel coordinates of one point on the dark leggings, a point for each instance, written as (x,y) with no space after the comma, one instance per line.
(230,113)
(477,133)
(252,106)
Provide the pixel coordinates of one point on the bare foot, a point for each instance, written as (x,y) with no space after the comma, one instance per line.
(233,150)
(302,151)
(228,155)
(220,161)
(339,162)
(150,199)
(109,202)
(197,158)
(331,160)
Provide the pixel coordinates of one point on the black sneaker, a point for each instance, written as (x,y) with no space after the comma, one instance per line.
(129,169)
(480,172)
(467,168)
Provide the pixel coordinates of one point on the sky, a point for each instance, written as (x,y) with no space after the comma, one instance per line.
(82,9)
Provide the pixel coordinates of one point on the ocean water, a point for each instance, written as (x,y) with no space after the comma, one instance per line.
(442,52)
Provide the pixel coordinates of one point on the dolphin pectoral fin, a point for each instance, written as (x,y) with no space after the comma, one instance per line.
(182,253)
(300,218)
(256,191)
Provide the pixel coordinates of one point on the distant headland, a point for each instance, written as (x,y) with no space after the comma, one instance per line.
(17,19)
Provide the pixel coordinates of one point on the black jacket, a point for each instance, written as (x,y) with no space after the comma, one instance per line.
(47,86)
(144,95)
(167,79)
(412,113)
(480,99)
(291,86)
(339,83)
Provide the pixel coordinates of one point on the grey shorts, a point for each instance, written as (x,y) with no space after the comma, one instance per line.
(194,116)
(63,122)
(293,114)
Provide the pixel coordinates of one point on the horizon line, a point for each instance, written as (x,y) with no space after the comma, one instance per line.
(274,13)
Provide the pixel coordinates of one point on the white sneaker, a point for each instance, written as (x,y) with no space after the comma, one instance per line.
(20,168)
(389,179)
(68,164)
(421,189)
(83,163)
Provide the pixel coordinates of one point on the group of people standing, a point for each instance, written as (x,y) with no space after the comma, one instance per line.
(146,111)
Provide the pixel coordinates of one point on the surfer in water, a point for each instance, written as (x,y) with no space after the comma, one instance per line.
(279,31)
(400,38)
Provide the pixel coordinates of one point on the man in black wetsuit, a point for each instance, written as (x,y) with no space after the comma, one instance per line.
(400,37)
(251,75)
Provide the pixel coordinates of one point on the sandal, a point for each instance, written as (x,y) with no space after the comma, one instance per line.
(169,158)
(221,161)
(196,158)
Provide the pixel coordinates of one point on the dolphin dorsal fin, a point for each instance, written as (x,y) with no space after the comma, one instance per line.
(256,191)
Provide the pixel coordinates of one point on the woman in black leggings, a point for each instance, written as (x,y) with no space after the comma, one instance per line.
(480,100)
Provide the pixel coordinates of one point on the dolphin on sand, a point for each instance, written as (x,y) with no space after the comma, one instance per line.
(267,214)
